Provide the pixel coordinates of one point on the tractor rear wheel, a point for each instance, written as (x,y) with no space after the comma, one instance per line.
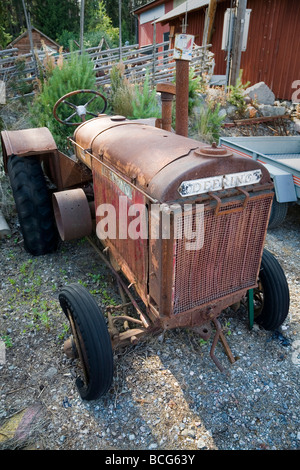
(278,213)
(90,339)
(271,297)
(33,204)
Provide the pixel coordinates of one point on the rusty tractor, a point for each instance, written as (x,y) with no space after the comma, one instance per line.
(187,220)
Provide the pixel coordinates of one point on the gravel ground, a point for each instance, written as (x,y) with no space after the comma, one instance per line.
(167,393)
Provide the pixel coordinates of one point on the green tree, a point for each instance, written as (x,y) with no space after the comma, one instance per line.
(12,20)
(52,17)
(128,20)
(97,24)
(97,20)
(75,73)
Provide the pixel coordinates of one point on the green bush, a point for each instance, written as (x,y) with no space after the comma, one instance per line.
(145,103)
(236,95)
(208,123)
(74,73)
(196,86)
(122,93)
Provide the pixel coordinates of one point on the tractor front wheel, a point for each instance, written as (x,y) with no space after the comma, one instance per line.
(90,341)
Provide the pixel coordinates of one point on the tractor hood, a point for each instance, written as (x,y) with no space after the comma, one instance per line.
(165,165)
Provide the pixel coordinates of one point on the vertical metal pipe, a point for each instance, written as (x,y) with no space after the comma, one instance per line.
(120,29)
(81,25)
(167,91)
(182,97)
(29,30)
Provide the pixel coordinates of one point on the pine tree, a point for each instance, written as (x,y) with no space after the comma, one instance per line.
(52,17)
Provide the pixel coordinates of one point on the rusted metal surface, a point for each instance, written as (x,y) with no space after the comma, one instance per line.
(182,97)
(72,214)
(160,166)
(143,317)
(179,288)
(130,254)
(229,259)
(255,120)
(27,142)
(220,335)
(167,91)
(77,110)
(122,145)
(72,173)
(70,348)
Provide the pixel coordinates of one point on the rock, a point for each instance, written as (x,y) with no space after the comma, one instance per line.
(251,112)
(50,373)
(222,113)
(201,444)
(231,111)
(152,446)
(261,93)
(4,228)
(297,125)
(268,110)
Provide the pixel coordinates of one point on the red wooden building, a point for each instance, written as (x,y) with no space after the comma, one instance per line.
(146,17)
(272,51)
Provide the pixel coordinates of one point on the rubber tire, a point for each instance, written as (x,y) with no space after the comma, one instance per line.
(91,324)
(276,293)
(278,213)
(34,206)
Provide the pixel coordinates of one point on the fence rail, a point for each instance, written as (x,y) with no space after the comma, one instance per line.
(155,60)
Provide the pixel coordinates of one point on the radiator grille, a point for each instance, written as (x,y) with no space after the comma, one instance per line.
(229,259)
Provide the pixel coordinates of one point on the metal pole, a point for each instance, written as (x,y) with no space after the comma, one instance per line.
(120,29)
(182,97)
(229,49)
(29,29)
(81,24)
(238,40)
(154,52)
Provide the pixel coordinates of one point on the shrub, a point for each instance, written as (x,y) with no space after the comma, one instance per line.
(75,73)
(122,93)
(145,103)
(208,123)
(236,95)
(196,86)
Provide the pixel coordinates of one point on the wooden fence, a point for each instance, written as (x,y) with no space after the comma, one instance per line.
(19,72)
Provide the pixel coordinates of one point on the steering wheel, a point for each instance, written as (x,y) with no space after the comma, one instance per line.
(80,110)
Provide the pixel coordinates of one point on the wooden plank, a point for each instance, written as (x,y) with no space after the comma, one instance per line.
(136,61)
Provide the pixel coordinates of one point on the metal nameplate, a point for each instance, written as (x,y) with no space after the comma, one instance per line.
(219,183)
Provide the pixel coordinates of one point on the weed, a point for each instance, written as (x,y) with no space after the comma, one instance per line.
(236,95)
(7,340)
(7,203)
(208,123)
(226,328)
(76,73)
(196,86)
(65,331)
(25,266)
(122,93)
(145,103)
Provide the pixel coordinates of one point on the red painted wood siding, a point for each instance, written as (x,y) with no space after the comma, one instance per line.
(273,48)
